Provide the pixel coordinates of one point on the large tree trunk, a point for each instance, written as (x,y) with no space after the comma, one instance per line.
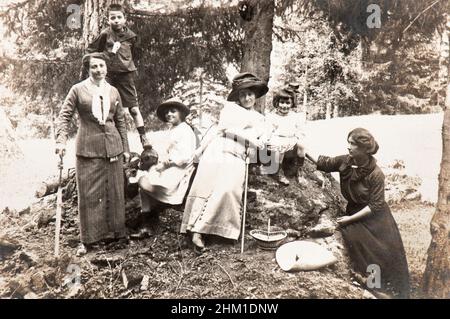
(258,41)
(436,281)
(443,66)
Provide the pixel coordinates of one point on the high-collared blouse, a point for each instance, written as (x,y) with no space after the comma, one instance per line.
(367,190)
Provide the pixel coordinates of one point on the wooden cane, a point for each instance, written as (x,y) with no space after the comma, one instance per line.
(247,162)
(310,158)
(58,207)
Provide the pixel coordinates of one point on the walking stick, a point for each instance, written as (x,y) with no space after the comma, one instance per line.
(247,162)
(58,206)
(310,158)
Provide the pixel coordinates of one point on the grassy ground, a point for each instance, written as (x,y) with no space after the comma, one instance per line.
(413,219)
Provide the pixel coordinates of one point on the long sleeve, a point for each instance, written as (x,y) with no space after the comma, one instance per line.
(329,164)
(98,44)
(241,123)
(65,116)
(135,46)
(269,124)
(184,145)
(119,119)
(227,117)
(376,191)
(246,134)
(181,154)
(300,126)
(262,129)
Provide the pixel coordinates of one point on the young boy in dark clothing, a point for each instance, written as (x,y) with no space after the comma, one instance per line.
(118,42)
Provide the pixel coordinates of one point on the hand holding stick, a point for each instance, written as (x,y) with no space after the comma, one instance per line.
(247,162)
(312,159)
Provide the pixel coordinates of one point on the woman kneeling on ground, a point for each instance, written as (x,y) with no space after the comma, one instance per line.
(370,233)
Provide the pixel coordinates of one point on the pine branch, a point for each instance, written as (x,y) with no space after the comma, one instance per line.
(182,13)
(417,17)
(14,7)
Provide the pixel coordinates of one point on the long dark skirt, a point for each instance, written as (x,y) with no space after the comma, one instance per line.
(101,201)
(376,240)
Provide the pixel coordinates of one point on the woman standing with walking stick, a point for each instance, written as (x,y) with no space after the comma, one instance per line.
(101,148)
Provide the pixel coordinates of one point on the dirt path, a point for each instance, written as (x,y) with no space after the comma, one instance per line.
(173,270)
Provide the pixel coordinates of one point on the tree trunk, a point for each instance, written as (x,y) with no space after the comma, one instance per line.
(328,111)
(335,110)
(258,41)
(436,280)
(50,185)
(443,66)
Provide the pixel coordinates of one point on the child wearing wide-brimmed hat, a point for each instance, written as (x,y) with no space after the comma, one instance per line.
(167,182)
(286,144)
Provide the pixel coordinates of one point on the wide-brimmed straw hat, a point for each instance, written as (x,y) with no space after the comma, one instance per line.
(174,102)
(247,80)
(303,255)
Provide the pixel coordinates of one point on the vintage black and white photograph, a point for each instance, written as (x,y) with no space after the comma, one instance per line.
(224,149)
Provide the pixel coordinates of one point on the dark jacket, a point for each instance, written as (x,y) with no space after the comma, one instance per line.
(122,61)
(93,139)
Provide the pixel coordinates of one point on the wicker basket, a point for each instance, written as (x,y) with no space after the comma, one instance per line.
(268,241)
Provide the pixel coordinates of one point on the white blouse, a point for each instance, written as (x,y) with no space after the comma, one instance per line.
(100,99)
(247,124)
(286,130)
(173,181)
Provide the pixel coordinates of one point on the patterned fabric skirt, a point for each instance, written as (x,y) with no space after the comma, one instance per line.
(101,200)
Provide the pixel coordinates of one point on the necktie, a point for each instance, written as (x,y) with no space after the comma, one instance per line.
(101,108)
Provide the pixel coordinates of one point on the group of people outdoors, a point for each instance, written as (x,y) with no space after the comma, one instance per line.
(208,176)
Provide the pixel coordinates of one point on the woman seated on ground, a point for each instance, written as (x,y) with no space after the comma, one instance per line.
(213,205)
(285,145)
(167,182)
(101,148)
(368,228)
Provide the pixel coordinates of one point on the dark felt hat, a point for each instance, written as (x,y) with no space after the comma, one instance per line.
(294,86)
(247,80)
(175,102)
